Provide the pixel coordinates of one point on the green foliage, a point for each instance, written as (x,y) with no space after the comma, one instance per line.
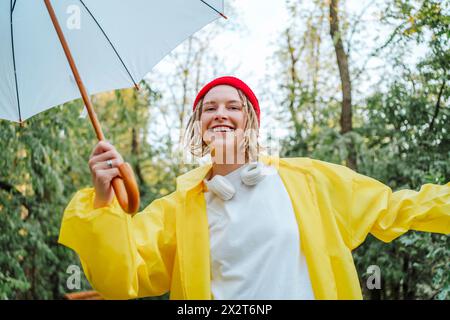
(37,174)
(402,139)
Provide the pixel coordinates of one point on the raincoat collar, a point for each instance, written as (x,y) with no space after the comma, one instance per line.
(194,178)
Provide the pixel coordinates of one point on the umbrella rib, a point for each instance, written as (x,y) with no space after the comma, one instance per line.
(112,46)
(11,6)
(214,9)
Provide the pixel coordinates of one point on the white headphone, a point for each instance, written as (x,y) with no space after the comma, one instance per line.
(251,174)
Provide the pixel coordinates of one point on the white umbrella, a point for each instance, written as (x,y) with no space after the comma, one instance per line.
(110,44)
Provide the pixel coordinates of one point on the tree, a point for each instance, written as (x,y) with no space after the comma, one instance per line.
(342,61)
(399,130)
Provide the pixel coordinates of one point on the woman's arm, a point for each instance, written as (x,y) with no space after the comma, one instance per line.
(123,257)
(364,205)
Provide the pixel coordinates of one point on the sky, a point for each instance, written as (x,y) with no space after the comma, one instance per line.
(262,22)
(249,47)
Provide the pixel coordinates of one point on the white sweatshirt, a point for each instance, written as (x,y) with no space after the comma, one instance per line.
(255,243)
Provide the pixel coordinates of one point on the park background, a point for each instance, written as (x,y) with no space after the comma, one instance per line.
(364,85)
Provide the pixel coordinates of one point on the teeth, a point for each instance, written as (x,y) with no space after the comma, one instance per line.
(222,129)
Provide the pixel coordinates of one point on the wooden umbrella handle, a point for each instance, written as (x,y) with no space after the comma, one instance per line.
(126,189)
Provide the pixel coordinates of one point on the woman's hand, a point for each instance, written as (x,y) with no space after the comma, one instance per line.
(102,173)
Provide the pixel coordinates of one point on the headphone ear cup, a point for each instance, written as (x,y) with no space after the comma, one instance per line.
(221,187)
(252,174)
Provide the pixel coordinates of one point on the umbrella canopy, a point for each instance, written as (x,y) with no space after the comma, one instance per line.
(114,43)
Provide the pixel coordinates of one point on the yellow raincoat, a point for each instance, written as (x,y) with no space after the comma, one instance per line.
(166,246)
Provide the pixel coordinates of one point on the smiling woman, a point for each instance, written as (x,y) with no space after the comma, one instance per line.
(225,118)
(242,227)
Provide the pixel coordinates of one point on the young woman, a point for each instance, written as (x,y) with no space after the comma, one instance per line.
(244,226)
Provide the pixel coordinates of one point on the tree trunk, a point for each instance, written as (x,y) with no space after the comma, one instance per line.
(293,82)
(135,151)
(342,61)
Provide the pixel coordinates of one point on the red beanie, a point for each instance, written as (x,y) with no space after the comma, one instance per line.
(234,82)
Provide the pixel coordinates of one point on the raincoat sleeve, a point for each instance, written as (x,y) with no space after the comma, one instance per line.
(123,257)
(364,205)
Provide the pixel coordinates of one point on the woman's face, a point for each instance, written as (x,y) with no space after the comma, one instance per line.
(223,117)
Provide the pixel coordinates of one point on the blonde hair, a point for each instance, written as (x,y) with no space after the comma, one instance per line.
(193,139)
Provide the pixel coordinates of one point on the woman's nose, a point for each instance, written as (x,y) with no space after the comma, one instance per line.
(221,113)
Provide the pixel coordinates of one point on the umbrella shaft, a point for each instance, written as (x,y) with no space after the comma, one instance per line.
(81,87)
